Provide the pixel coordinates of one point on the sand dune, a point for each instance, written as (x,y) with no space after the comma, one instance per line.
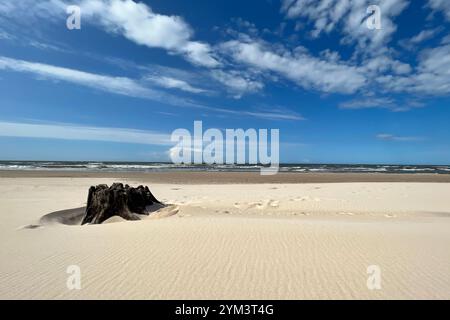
(247,241)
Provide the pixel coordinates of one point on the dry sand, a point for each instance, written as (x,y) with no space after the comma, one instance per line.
(230,241)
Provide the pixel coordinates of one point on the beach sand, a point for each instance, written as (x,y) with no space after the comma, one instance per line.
(228,236)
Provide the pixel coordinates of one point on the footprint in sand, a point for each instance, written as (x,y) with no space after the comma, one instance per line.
(264,205)
(261,206)
(30,226)
(166,212)
(253,205)
(301,214)
(237,205)
(274,203)
(173,210)
(346,213)
(307,198)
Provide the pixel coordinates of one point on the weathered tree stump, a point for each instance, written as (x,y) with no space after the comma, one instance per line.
(118,200)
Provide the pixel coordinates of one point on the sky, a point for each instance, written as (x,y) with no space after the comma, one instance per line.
(115,90)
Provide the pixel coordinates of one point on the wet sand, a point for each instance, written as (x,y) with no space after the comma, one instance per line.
(189,177)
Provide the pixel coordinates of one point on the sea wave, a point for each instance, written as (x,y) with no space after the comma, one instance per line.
(160,166)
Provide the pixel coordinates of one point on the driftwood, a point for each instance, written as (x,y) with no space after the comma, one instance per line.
(118,200)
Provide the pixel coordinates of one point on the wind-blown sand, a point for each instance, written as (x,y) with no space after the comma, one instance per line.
(230,241)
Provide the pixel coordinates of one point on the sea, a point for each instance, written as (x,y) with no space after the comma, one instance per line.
(90,166)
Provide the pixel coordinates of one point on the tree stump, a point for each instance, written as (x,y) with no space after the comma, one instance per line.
(118,200)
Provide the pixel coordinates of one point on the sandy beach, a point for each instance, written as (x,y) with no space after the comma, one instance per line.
(231,236)
(183,151)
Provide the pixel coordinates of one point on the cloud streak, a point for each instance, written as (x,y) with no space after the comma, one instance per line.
(118,85)
(128,87)
(173,83)
(392,137)
(64,131)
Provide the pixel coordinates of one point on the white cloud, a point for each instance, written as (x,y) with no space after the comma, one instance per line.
(82,133)
(391,137)
(347,17)
(258,113)
(446,39)
(378,65)
(5,35)
(431,77)
(367,103)
(275,115)
(394,105)
(173,83)
(210,81)
(237,82)
(424,35)
(138,23)
(300,67)
(31,10)
(440,5)
(191,81)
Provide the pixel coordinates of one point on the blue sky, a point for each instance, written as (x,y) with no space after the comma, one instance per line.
(115,90)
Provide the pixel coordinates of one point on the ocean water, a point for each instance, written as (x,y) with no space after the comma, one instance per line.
(161,167)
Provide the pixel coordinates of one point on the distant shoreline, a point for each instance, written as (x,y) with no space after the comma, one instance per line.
(196,177)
